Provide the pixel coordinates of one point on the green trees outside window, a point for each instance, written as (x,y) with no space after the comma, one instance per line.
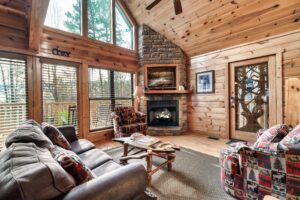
(64,15)
(67,16)
(124,29)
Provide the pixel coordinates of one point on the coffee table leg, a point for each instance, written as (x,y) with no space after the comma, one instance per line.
(125,152)
(170,162)
(149,167)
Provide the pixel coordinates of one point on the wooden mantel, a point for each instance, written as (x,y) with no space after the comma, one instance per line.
(168,92)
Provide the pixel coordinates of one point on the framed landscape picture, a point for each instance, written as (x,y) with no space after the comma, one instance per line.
(205,82)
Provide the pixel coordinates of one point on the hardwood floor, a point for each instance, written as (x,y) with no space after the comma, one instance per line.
(196,142)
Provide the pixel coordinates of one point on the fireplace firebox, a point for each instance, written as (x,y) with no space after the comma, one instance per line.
(163,113)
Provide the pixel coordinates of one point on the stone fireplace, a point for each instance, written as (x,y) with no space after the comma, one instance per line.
(162,113)
(166,111)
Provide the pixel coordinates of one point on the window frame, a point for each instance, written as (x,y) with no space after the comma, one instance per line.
(84,24)
(112,98)
(81,34)
(128,20)
(78,87)
(28,81)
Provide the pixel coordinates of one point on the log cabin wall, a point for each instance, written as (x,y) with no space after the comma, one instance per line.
(14,38)
(13,24)
(208,113)
(88,51)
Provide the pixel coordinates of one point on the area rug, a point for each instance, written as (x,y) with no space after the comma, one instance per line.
(195,176)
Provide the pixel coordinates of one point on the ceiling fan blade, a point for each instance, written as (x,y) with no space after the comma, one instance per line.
(177,6)
(151,5)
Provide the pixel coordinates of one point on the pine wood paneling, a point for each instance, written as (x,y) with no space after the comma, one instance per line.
(86,50)
(13,23)
(209,112)
(208,25)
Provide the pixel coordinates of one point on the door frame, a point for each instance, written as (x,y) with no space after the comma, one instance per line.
(279,82)
(244,135)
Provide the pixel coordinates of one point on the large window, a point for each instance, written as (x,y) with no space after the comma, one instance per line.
(107,90)
(64,15)
(67,16)
(124,29)
(59,88)
(13,95)
(99,20)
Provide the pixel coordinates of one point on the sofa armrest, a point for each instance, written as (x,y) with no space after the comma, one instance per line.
(124,183)
(69,132)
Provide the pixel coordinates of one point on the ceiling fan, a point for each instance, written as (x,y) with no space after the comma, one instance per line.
(177,6)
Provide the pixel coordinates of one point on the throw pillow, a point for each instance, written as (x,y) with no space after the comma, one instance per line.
(72,164)
(293,137)
(273,135)
(55,136)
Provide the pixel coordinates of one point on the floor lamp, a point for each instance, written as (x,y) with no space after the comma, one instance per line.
(138,93)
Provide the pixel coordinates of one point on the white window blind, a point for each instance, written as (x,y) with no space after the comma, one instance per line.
(107,90)
(13,96)
(59,88)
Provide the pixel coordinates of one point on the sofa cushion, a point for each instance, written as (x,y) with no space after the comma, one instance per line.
(94,158)
(30,131)
(274,134)
(105,168)
(30,172)
(72,164)
(81,146)
(55,136)
(131,128)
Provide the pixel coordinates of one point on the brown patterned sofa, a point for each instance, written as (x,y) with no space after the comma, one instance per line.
(126,121)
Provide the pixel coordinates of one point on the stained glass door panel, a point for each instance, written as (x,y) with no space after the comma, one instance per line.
(250,97)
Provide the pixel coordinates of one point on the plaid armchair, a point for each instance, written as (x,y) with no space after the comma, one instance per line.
(252,171)
(126,122)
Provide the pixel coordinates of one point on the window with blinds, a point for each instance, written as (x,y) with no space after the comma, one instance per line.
(107,90)
(59,88)
(13,96)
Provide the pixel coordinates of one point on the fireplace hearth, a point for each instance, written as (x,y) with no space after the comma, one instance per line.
(163,113)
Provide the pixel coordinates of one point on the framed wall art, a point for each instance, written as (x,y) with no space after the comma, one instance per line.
(205,82)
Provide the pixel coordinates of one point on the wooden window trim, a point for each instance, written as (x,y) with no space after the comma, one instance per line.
(39,94)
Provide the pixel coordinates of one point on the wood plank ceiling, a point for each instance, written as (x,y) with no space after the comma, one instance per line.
(208,25)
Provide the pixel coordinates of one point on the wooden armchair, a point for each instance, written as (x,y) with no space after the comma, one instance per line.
(126,122)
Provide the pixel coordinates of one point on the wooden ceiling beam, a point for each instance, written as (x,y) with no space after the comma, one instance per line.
(37,16)
(8,9)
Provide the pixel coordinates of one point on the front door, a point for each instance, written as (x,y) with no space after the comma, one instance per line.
(252,95)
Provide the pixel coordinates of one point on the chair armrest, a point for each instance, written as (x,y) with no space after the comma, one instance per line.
(124,183)
(116,118)
(141,117)
(69,132)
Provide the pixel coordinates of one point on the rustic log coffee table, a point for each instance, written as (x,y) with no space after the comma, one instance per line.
(146,147)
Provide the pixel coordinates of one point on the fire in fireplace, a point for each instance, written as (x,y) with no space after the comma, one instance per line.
(163,113)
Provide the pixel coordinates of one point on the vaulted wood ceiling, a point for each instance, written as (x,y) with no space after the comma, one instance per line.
(208,25)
